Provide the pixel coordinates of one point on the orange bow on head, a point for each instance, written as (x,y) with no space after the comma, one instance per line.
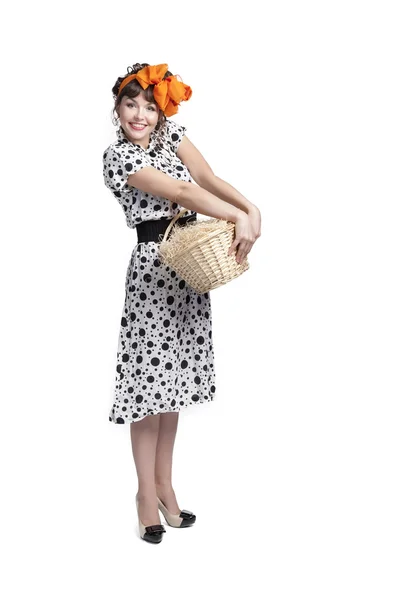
(168,93)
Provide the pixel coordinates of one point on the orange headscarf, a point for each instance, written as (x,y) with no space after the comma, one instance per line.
(168,92)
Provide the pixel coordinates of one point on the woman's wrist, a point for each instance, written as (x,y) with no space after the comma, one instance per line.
(240,214)
(252,208)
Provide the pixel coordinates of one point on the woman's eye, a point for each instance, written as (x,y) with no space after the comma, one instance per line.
(131,105)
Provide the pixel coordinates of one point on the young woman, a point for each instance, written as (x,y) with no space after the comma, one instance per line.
(165,357)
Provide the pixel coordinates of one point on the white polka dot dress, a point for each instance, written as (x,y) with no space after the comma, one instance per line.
(165,355)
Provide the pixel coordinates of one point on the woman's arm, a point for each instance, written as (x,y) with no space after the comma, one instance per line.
(187,194)
(217,186)
(192,196)
(204,176)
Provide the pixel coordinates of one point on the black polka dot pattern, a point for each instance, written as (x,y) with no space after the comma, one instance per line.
(165,355)
(123,158)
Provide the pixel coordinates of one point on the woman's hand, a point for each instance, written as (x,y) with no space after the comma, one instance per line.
(244,236)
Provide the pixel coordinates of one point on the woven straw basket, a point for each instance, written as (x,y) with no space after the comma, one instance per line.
(198,252)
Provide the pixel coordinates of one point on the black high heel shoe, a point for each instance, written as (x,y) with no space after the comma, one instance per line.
(150,533)
(184,519)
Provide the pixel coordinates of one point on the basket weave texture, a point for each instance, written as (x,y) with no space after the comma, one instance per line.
(198,252)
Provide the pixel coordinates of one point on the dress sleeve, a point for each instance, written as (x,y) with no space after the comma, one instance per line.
(119,163)
(175,134)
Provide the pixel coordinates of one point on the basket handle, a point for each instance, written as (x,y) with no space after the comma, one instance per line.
(176,217)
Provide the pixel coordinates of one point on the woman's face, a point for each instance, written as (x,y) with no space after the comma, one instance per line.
(137,112)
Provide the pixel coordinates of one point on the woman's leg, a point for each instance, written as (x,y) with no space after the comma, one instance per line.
(163,462)
(144,435)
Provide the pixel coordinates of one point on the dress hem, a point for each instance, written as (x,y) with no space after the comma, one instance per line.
(157,411)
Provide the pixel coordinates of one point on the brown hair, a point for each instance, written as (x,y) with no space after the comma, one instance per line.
(133,89)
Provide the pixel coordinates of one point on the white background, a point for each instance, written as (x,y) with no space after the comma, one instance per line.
(293,471)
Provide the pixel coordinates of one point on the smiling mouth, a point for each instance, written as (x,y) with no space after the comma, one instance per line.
(137,126)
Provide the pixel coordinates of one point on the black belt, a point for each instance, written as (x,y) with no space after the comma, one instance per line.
(149,231)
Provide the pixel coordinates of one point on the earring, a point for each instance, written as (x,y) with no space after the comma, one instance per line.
(115,121)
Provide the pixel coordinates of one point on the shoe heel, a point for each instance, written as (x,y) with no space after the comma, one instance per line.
(184,519)
(150,533)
